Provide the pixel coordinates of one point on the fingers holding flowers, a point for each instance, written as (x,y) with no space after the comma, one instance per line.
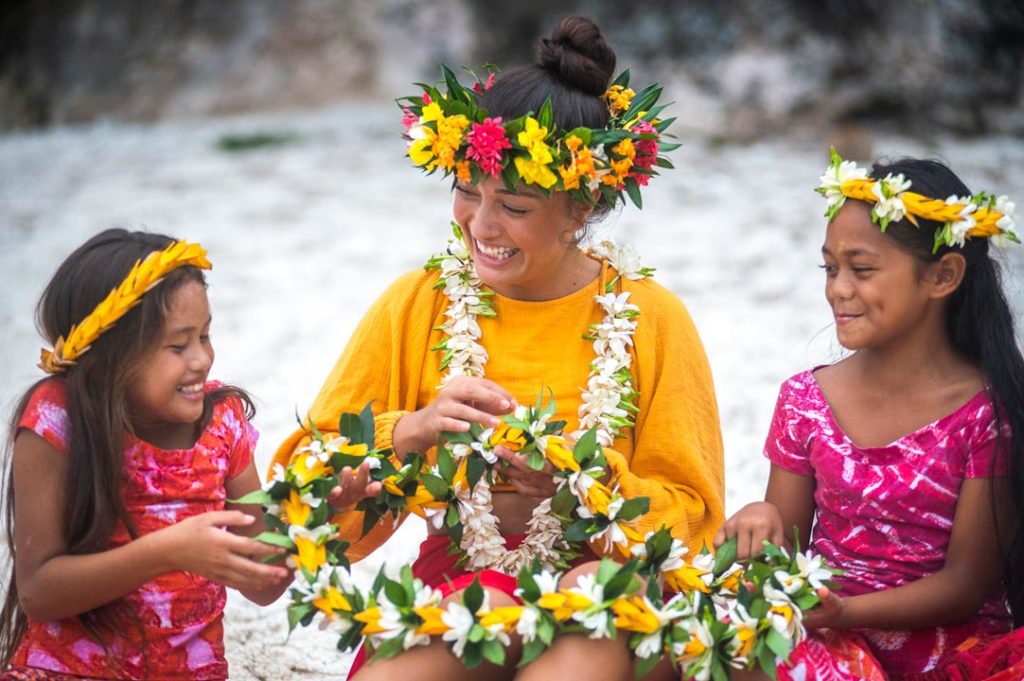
(526,480)
(462,401)
(829,614)
(353,486)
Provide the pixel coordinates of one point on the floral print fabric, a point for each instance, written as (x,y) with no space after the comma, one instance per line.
(885,514)
(180,613)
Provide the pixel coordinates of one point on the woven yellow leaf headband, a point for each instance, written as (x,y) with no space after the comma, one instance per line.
(963,217)
(145,274)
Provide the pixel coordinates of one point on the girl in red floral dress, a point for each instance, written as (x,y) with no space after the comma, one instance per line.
(124,460)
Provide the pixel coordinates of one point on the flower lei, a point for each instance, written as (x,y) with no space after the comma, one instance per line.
(726,614)
(607,407)
(450,132)
(982,215)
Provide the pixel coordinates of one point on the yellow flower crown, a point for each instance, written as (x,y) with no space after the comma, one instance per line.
(980,216)
(144,275)
(450,132)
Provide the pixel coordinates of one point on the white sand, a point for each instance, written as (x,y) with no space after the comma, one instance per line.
(304,237)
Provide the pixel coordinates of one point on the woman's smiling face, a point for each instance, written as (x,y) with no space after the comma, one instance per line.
(521,241)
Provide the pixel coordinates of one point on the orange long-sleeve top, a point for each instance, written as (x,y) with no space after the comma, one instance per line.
(674,453)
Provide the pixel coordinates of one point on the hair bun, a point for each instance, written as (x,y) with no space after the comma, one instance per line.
(578,55)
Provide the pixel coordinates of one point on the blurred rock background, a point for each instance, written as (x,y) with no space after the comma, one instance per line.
(741,69)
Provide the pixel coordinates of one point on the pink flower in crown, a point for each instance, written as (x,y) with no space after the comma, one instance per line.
(480,89)
(409,119)
(486,142)
(646,151)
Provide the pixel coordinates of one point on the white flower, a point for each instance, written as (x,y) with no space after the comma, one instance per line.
(623,258)
(696,653)
(958,228)
(460,621)
(835,175)
(889,207)
(527,624)
(812,569)
(784,616)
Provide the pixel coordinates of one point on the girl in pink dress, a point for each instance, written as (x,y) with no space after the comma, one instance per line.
(124,460)
(903,464)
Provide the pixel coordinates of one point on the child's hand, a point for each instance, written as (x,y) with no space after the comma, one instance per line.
(352,487)
(829,614)
(203,546)
(528,482)
(751,525)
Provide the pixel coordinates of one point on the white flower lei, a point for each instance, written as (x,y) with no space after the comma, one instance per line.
(608,399)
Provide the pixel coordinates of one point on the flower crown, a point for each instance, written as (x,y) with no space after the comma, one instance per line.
(982,215)
(144,275)
(449,131)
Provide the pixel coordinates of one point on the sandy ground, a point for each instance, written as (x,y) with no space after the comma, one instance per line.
(304,236)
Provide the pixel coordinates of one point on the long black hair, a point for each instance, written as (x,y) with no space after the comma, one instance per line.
(980,325)
(97,412)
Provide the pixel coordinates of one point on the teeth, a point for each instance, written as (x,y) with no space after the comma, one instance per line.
(497,252)
(189,389)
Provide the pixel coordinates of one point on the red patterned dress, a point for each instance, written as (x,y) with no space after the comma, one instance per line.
(180,613)
(884,516)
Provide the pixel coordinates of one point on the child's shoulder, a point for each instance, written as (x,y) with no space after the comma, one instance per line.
(801,387)
(46,412)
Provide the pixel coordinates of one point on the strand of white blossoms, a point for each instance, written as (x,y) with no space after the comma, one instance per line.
(608,400)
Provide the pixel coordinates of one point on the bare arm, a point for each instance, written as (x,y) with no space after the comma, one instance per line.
(53,584)
(953,594)
(788,503)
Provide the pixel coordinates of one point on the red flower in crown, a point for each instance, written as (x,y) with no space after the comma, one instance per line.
(486,142)
(646,151)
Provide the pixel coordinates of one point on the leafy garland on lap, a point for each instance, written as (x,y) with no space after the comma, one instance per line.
(724,614)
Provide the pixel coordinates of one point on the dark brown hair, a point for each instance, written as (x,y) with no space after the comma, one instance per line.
(96,409)
(573,69)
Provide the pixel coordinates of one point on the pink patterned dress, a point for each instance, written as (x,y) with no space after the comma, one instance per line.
(180,612)
(884,516)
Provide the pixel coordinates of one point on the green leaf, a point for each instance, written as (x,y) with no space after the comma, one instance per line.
(437,487)
(258,496)
(605,569)
(473,596)
(475,468)
(585,446)
(445,464)
(531,651)
(389,648)
(396,593)
(275,539)
(349,426)
(644,665)
(528,585)
(725,556)
(369,428)
(778,644)
(633,192)
(535,460)
(494,652)
(297,612)
(634,508)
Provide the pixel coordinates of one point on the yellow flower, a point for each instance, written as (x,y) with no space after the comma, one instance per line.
(532,139)
(620,167)
(559,454)
(581,164)
(421,151)
(432,623)
(354,450)
(331,601)
(460,477)
(422,500)
(558,603)
(371,619)
(618,98)
(391,486)
(687,578)
(296,511)
(306,473)
(746,638)
(462,171)
(633,614)
(694,647)
(507,436)
(449,139)
(311,554)
(506,615)
(431,112)
(533,172)
(598,497)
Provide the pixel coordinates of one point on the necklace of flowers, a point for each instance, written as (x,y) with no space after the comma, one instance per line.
(608,402)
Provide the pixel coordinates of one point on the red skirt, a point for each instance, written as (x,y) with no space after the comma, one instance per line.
(846,656)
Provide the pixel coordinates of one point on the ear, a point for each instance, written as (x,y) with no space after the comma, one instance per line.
(579,212)
(946,274)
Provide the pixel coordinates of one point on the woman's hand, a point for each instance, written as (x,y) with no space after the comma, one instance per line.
(462,401)
(829,614)
(751,525)
(527,481)
(202,545)
(353,487)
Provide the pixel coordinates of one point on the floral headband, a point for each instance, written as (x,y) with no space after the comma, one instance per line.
(450,132)
(144,275)
(982,215)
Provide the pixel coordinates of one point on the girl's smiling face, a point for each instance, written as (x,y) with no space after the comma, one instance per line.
(165,396)
(878,292)
(521,241)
